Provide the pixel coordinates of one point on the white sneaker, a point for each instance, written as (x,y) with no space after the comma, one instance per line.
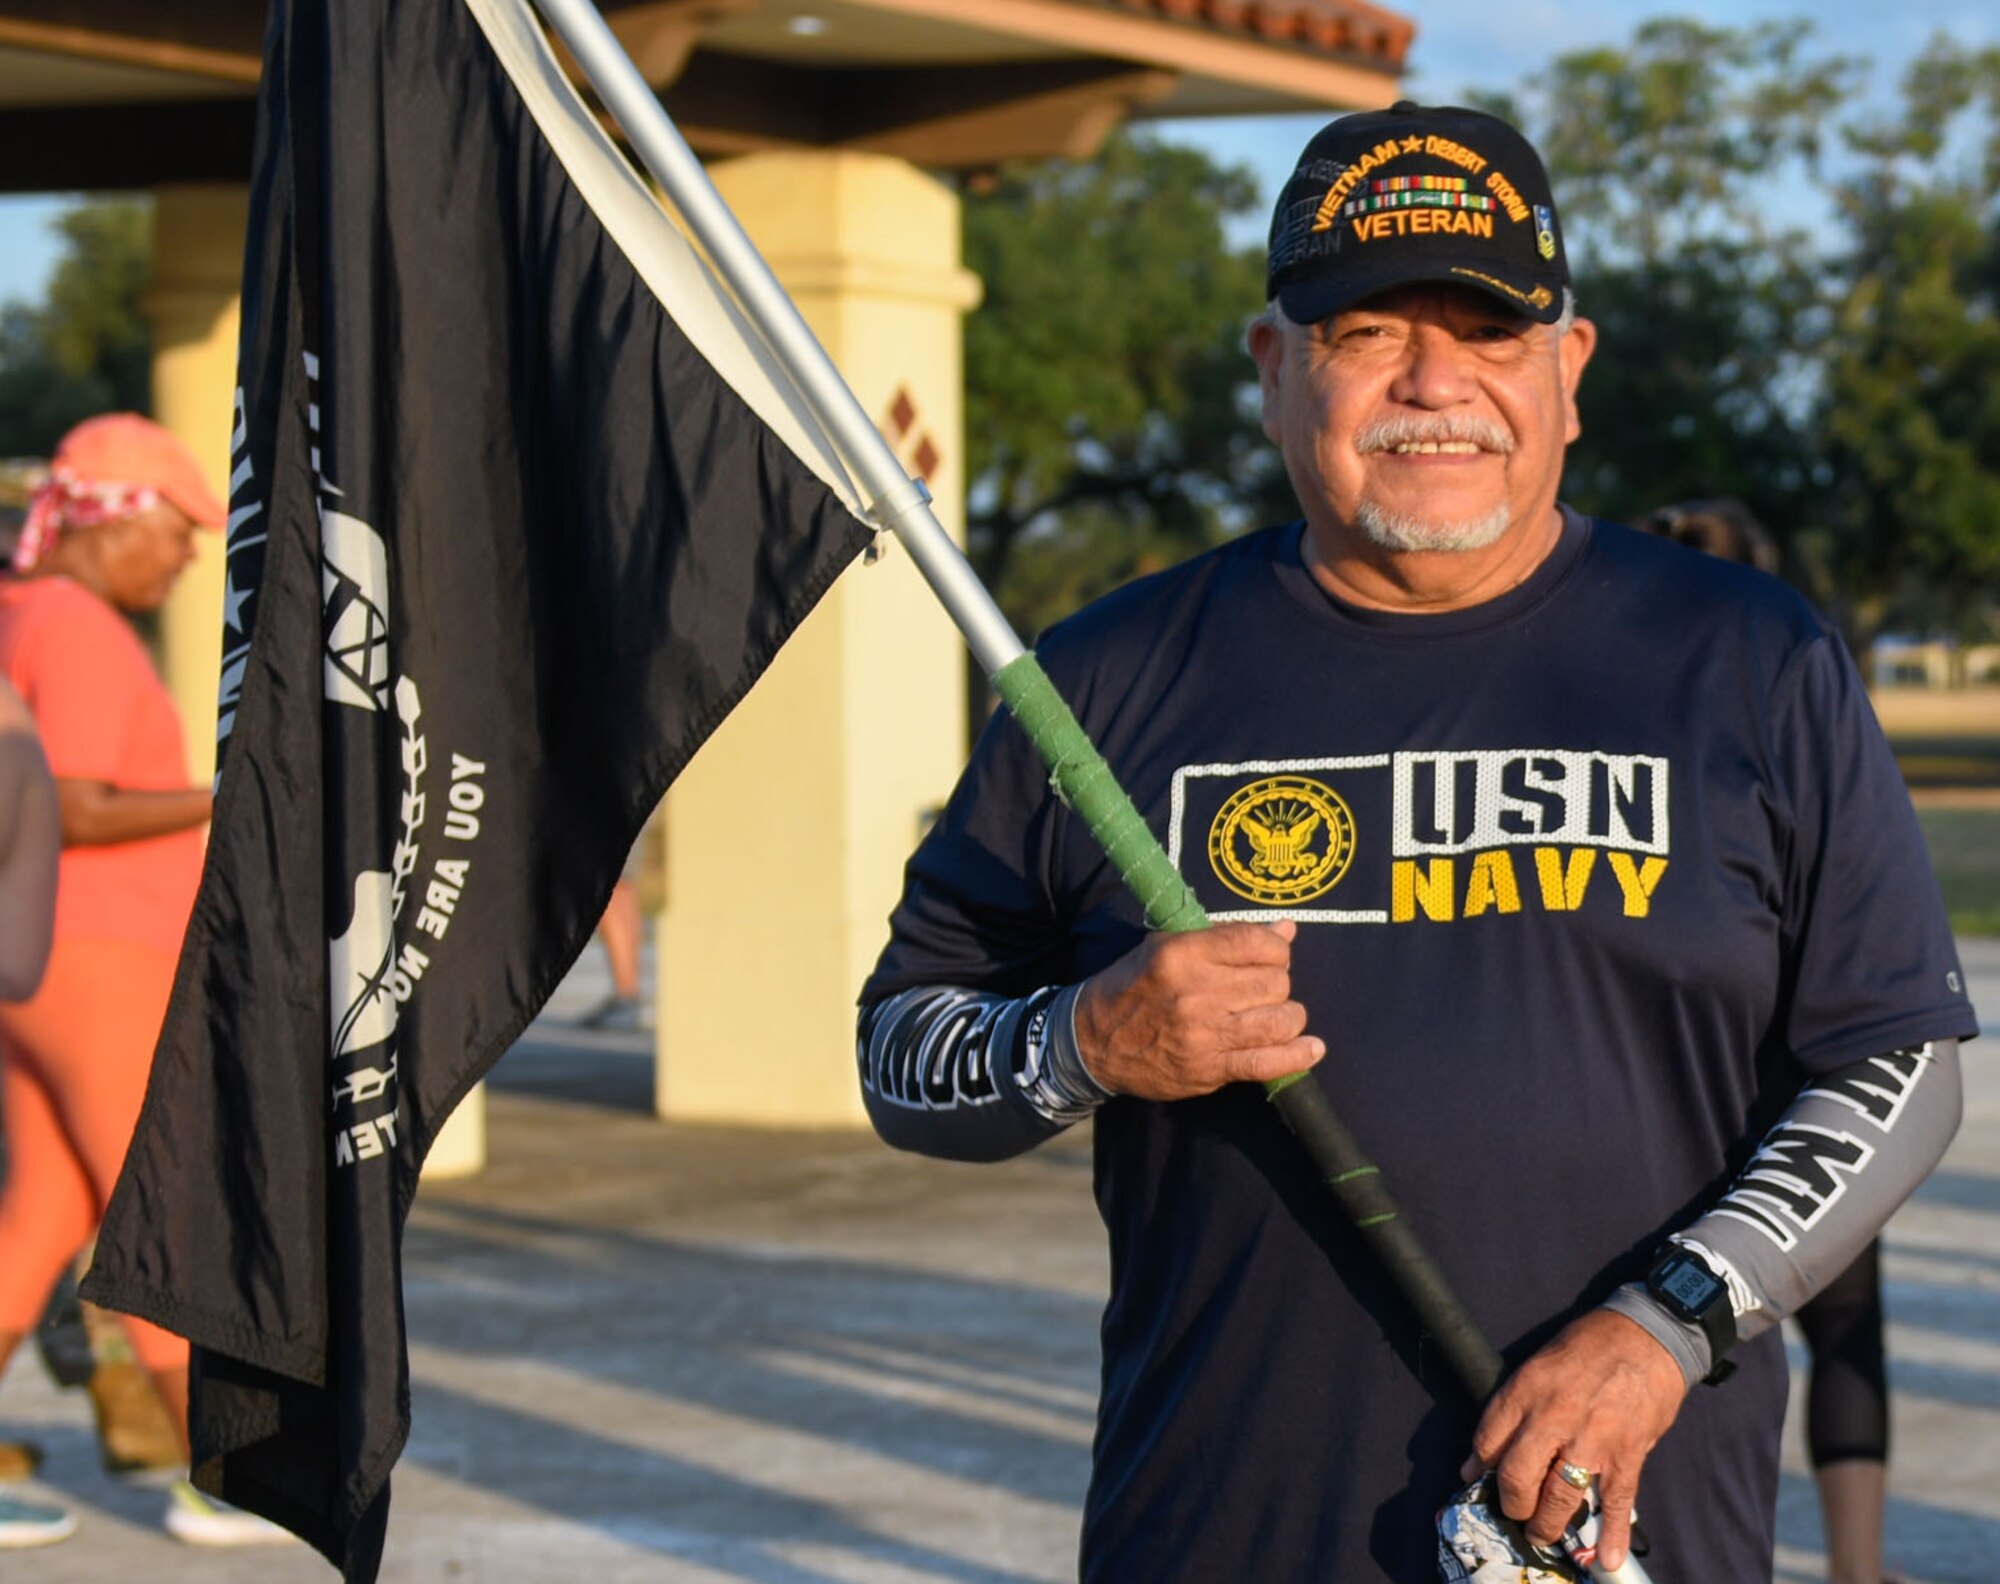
(195,1518)
(32,1523)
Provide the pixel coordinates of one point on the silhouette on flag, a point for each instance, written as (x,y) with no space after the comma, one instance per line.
(519,510)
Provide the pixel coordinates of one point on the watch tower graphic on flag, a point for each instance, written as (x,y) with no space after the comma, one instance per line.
(355,571)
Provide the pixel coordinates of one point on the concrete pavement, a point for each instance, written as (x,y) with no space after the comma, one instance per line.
(670,1355)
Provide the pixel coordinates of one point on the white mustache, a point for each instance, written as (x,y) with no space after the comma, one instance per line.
(1388,433)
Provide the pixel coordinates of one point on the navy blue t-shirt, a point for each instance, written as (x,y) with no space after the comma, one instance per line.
(1588,879)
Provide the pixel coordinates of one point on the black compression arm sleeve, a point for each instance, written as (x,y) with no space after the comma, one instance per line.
(970,1074)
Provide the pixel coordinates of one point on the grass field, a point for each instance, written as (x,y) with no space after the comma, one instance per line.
(1965,850)
(1948,743)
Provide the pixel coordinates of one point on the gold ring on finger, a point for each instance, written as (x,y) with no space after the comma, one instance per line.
(1574,1475)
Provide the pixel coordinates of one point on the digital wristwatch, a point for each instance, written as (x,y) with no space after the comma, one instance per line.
(1682,1284)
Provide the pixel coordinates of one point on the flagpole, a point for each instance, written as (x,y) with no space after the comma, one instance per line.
(1081,778)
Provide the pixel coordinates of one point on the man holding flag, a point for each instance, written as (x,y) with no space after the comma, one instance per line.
(1573,867)
(495,419)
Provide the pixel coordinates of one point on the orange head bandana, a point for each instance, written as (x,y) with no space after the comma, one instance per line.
(109,467)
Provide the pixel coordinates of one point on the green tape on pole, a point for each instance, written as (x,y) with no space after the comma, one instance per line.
(1085,784)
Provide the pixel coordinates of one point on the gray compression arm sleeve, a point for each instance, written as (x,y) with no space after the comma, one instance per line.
(1822,1185)
(971,1075)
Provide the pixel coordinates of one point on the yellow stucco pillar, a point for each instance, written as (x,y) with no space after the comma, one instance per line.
(193,303)
(786,837)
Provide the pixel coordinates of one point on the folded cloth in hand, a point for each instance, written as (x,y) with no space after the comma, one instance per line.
(1479,1544)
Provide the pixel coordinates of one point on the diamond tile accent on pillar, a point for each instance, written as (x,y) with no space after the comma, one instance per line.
(903,417)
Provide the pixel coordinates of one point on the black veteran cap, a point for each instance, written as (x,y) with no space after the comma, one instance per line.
(1416,193)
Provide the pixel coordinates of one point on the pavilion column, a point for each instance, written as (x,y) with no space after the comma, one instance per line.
(786,837)
(192,304)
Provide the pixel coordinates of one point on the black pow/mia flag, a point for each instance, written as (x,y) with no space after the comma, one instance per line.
(518,512)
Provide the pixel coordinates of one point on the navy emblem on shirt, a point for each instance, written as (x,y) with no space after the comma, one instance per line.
(1282,840)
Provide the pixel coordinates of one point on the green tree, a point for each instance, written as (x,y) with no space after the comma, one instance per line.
(1687,136)
(1911,401)
(86,348)
(1681,164)
(1109,419)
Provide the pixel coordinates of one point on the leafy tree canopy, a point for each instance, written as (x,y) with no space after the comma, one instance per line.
(1108,419)
(1910,405)
(1684,138)
(1818,336)
(86,348)
(1686,166)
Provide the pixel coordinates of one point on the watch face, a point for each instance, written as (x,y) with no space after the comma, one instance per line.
(1687,1284)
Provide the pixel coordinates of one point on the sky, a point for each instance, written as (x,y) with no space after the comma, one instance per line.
(1459,44)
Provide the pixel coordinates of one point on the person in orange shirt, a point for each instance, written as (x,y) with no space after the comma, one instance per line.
(107,536)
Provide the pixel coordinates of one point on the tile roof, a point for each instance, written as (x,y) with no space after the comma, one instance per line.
(1352,29)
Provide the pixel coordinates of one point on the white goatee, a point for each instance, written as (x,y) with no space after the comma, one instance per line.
(1401,531)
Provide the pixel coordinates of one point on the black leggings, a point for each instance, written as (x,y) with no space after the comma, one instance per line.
(1847,1395)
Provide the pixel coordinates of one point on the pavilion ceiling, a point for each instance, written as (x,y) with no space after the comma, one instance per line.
(98,94)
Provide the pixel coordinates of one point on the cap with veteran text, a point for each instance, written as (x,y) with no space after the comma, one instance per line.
(1416,193)
(124,448)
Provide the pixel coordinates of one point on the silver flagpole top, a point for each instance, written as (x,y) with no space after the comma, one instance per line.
(896,501)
